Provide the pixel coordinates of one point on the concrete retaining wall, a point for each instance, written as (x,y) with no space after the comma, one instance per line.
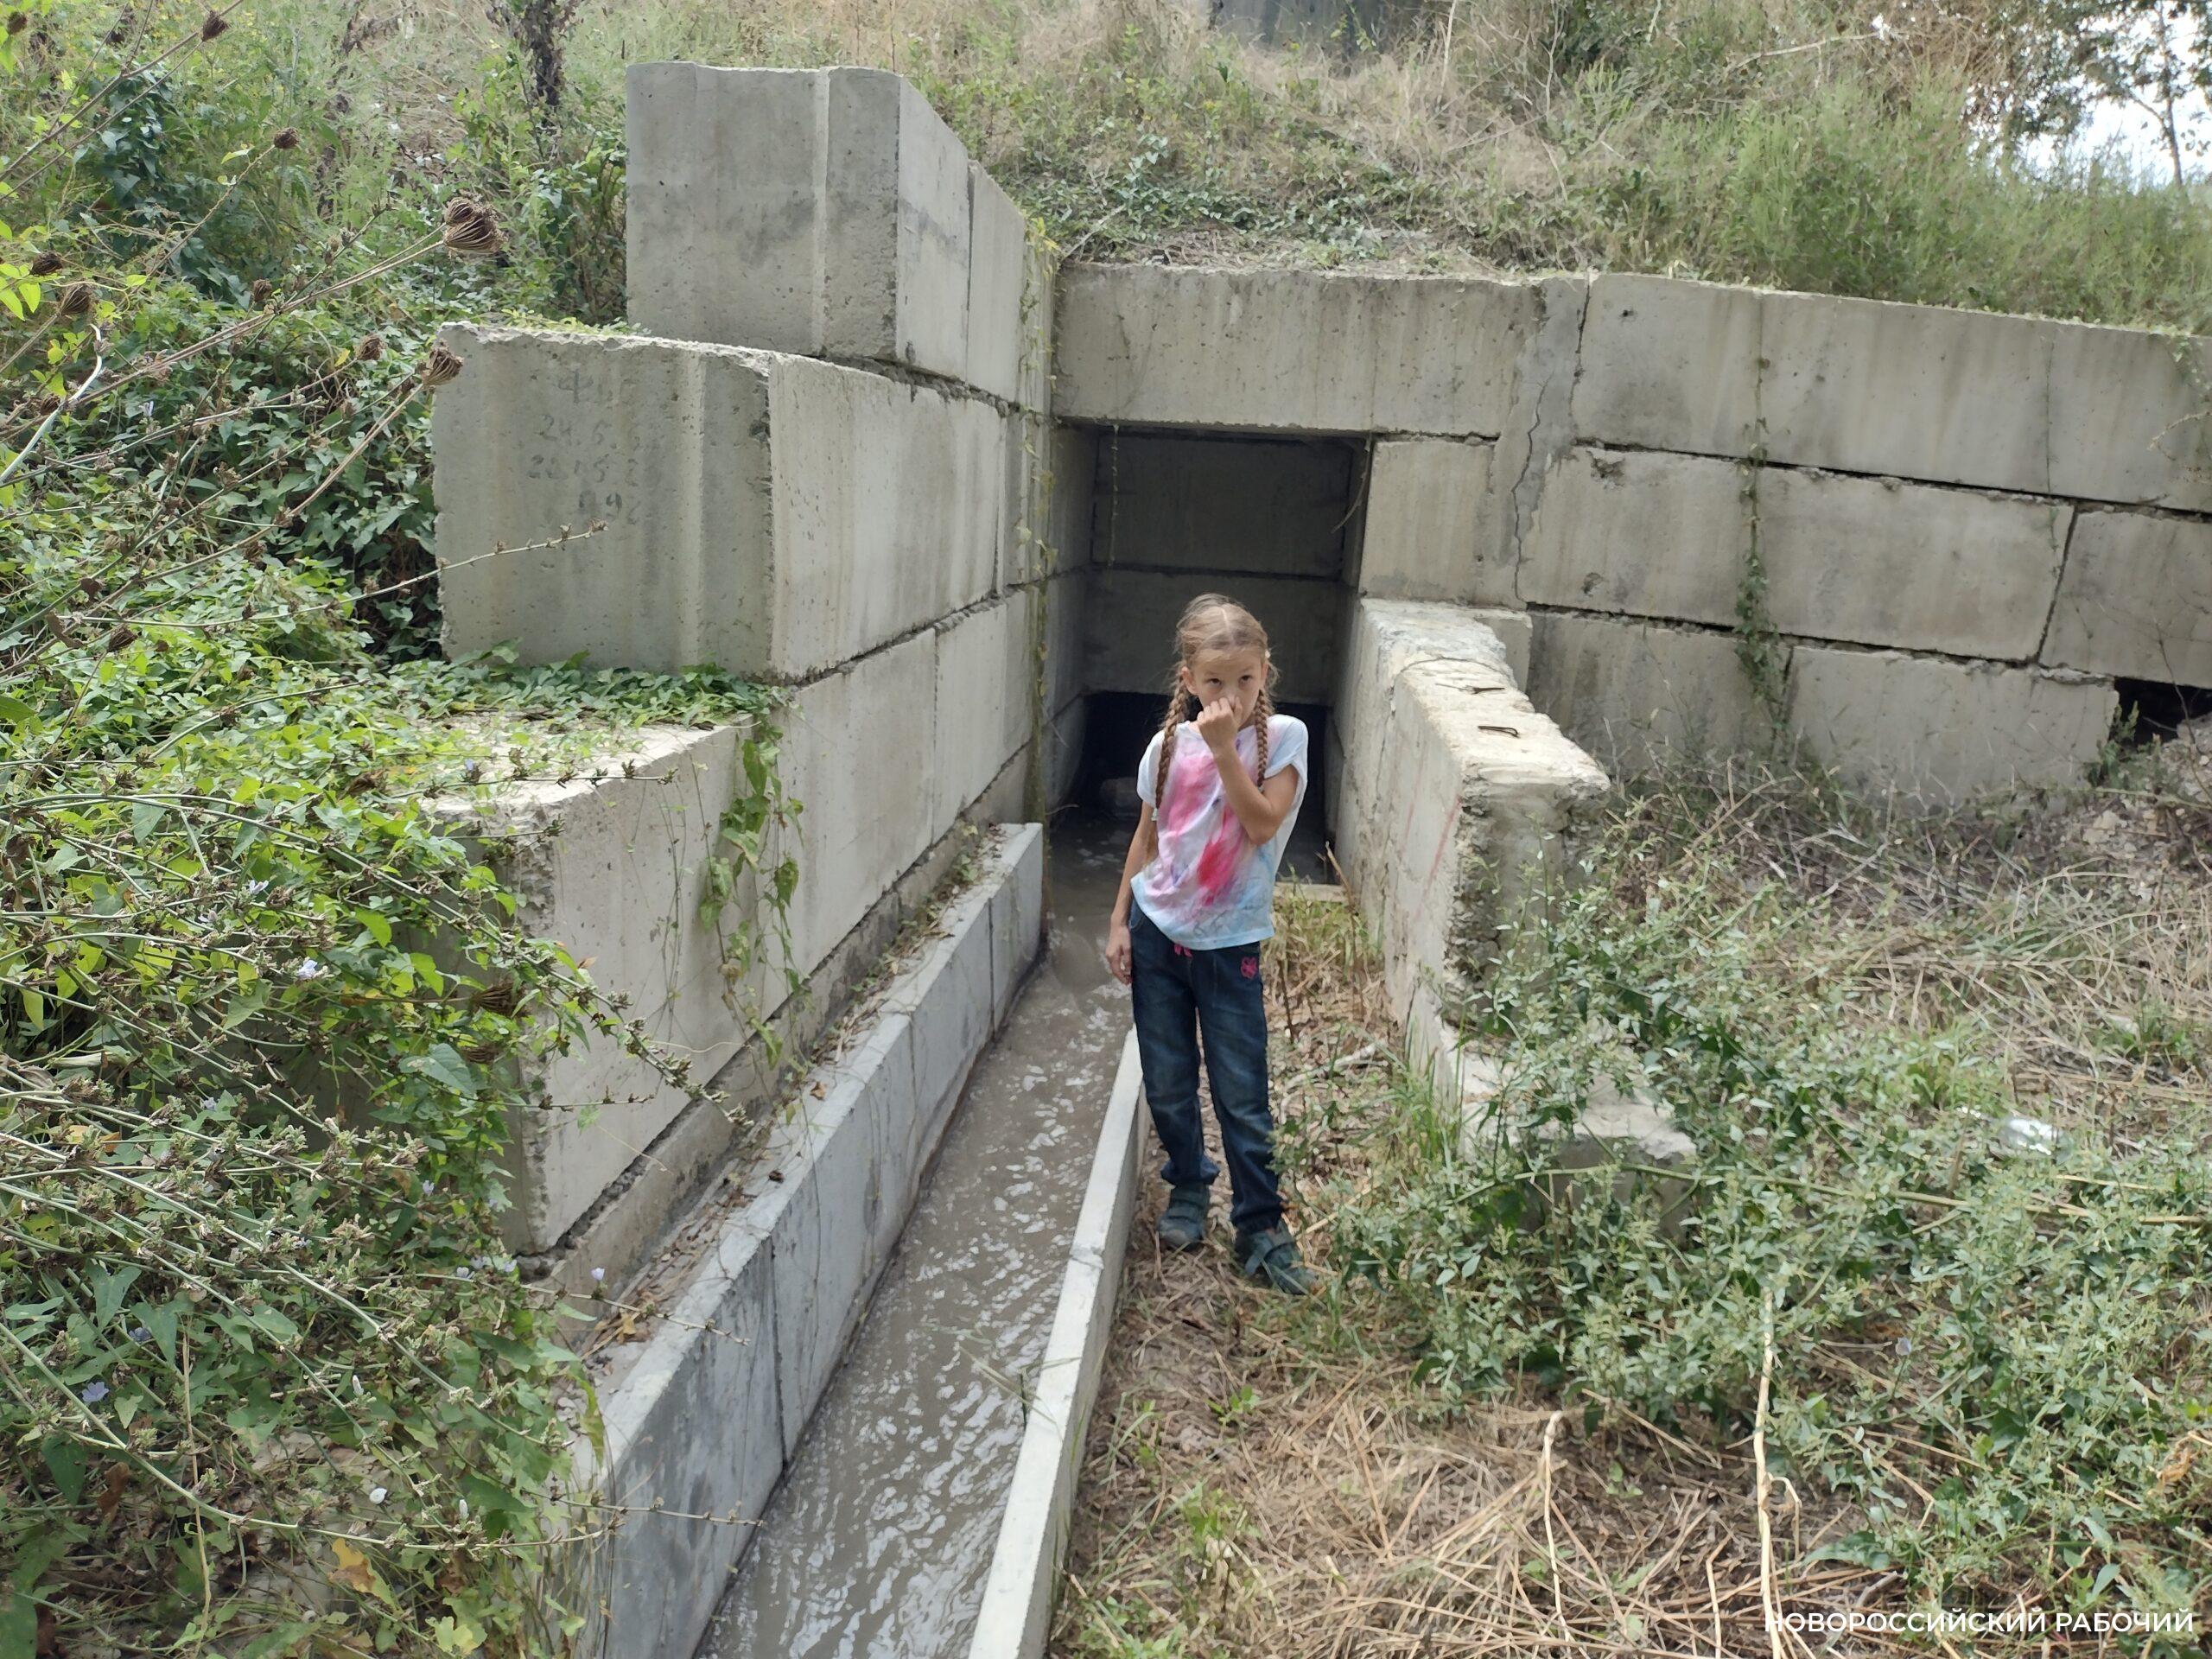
(702,1410)
(1958,486)
(1455,805)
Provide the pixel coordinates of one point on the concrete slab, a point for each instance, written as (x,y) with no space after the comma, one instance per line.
(998,267)
(1426,500)
(1017,916)
(986,697)
(1464,805)
(947,998)
(2136,599)
(1635,694)
(614,864)
(1935,730)
(694,1448)
(1169,345)
(1913,391)
(1015,1615)
(858,749)
(1273,506)
(824,212)
(1874,560)
(824,1221)
(1515,630)
(1670,365)
(1633,532)
(770,514)
(1129,627)
(1884,562)
(2129,416)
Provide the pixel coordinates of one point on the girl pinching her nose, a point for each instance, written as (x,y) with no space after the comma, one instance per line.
(1221,782)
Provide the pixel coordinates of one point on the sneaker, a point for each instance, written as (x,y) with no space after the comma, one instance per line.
(1270,1255)
(1182,1225)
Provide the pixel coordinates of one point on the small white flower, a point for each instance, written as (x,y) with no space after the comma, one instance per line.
(356,1386)
(463,1273)
(599,1275)
(308,967)
(464,1508)
(376,1494)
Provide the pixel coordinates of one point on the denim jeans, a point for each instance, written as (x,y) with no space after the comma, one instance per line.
(1178,994)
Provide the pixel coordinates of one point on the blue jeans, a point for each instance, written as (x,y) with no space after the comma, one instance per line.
(1176,994)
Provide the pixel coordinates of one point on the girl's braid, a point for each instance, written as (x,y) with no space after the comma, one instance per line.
(1266,712)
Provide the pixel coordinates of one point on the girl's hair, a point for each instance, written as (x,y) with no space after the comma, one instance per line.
(1211,622)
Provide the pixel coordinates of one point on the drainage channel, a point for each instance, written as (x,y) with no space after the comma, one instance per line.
(877,1542)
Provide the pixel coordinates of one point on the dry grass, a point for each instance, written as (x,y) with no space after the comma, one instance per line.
(1269,1479)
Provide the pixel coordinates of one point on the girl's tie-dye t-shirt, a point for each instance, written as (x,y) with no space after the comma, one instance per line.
(1211,886)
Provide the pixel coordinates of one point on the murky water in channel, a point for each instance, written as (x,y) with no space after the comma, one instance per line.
(877,1542)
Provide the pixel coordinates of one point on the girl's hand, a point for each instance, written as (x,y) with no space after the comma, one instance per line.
(1117,950)
(1217,725)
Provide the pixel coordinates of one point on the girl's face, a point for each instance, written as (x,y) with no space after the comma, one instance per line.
(1238,676)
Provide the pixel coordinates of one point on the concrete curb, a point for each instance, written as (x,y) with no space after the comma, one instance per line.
(702,1417)
(1016,1614)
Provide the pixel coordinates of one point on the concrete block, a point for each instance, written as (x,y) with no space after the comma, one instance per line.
(857,754)
(1515,630)
(822,1219)
(1912,390)
(1129,628)
(1017,915)
(1464,804)
(1670,365)
(770,514)
(998,268)
(986,695)
(1273,506)
(1874,560)
(1884,562)
(824,212)
(1645,534)
(1936,730)
(2129,416)
(946,997)
(1426,500)
(614,865)
(2136,599)
(693,1428)
(1153,345)
(887,505)
(1634,694)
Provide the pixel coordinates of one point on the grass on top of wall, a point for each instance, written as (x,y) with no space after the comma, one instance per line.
(1787,144)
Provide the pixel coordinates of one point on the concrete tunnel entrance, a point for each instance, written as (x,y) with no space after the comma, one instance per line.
(1274,523)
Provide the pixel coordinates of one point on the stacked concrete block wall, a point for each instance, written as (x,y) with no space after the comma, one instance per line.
(825,460)
(704,1410)
(1987,518)
(1457,807)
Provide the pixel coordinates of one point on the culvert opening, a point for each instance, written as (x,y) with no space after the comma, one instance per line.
(1274,523)
(2151,710)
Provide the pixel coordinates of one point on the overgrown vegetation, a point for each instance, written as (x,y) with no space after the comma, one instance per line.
(1840,146)
(1516,1425)
(268,1383)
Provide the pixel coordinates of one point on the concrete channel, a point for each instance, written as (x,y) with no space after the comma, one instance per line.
(879,1539)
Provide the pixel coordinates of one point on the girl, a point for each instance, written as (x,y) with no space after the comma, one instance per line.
(1221,782)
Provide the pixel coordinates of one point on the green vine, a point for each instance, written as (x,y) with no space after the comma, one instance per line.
(751,830)
(1759,648)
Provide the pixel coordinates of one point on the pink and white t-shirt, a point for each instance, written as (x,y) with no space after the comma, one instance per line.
(1211,886)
